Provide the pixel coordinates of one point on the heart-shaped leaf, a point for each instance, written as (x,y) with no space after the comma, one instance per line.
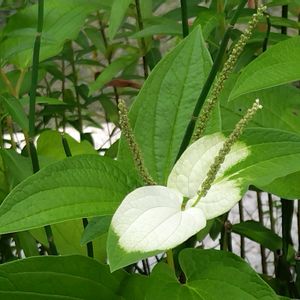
(150,219)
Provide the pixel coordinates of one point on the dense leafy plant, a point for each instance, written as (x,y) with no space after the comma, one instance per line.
(130,223)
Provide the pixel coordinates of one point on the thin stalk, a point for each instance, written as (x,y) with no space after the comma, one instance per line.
(266,39)
(225,239)
(7,82)
(298,224)
(32,97)
(210,79)
(143,42)
(271,212)
(85,222)
(19,82)
(146,267)
(102,31)
(184,18)
(242,239)
(261,220)
(287,207)
(284,14)
(75,83)
(170,259)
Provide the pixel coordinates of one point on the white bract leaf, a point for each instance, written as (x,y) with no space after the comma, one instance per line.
(151,218)
(191,169)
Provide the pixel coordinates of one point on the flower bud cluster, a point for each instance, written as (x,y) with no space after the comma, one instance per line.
(227,69)
(133,146)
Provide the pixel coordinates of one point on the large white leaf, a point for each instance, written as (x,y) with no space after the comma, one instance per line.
(191,170)
(151,218)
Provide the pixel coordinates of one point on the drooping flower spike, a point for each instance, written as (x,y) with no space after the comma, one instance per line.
(153,219)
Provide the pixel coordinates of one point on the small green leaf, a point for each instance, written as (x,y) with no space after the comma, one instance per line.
(43,100)
(49,144)
(271,68)
(15,109)
(117,14)
(17,166)
(255,231)
(77,187)
(67,237)
(58,277)
(111,71)
(96,227)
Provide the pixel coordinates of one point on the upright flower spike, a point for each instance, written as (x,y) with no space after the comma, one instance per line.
(219,159)
(133,146)
(224,74)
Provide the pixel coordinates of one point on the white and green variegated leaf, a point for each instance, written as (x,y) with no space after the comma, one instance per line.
(261,156)
(150,220)
(154,218)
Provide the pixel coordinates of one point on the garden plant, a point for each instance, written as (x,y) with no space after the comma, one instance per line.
(199,105)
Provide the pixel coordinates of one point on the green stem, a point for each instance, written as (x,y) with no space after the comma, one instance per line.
(184,18)
(32,97)
(271,213)
(85,222)
(143,42)
(210,79)
(170,259)
(284,14)
(261,220)
(266,39)
(35,66)
(75,83)
(242,239)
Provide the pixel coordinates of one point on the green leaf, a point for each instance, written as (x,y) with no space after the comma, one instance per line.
(49,144)
(62,21)
(162,109)
(77,187)
(281,108)
(208,19)
(271,68)
(210,275)
(18,167)
(211,272)
(255,231)
(58,277)
(43,100)
(158,25)
(286,187)
(117,14)
(134,288)
(15,109)
(67,237)
(27,243)
(96,227)
(111,71)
